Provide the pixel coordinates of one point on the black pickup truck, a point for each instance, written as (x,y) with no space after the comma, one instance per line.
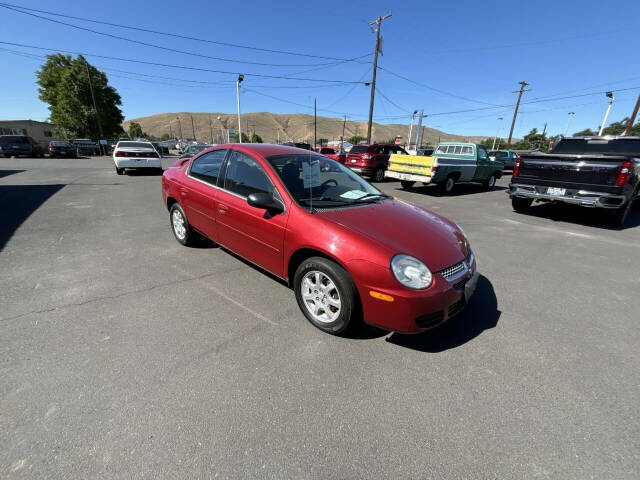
(597,172)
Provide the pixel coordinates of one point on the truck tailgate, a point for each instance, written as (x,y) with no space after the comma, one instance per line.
(570,171)
(414,164)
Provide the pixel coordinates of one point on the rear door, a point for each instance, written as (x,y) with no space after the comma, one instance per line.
(253,233)
(198,195)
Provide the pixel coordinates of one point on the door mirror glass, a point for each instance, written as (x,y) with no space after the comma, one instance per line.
(265,201)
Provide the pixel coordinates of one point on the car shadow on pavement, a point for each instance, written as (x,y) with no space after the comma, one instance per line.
(459,190)
(480,314)
(6,173)
(24,200)
(589,217)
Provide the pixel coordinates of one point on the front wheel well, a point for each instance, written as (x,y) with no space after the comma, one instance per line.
(300,256)
(170,202)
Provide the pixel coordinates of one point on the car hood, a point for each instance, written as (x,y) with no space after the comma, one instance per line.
(406,228)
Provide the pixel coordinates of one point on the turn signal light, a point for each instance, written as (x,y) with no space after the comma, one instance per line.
(516,169)
(623,175)
(381,296)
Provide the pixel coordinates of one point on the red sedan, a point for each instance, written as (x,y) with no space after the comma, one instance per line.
(348,250)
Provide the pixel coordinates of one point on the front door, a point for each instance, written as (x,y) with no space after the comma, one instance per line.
(253,233)
(199,198)
(485,166)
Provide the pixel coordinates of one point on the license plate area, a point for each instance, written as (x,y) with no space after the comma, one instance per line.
(556,192)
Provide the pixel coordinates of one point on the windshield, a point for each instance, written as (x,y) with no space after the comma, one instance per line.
(314,180)
(13,139)
(359,149)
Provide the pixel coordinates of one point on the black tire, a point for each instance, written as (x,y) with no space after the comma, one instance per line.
(620,215)
(490,182)
(406,184)
(51,155)
(344,287)
(378,175)
(119,171)
(190,237)
(521,204)
(448,185)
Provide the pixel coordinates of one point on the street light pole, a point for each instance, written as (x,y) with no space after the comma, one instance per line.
(240,78)
(493,147)
(179,127)
(410,129)
(606,115)
(566,130)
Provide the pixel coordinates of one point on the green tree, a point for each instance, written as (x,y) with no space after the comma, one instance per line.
(323,141)
(356,139)
(587,132)
(135,130)
(64,84)
(245,139)
(615,128)
(165,136)
(533,141)
(500,144)
(255,138)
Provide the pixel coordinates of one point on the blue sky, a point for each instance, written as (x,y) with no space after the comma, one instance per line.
(463,55)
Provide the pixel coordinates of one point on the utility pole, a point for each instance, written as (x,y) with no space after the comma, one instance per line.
(566,130)
(278,133)
(193,129)
(606,115)
(378,24)
(523,84)
(170,132)
(632,119)
(344,124)
(493,147)
(410,129)
(240,78)
(419,130)
(95,107)
(211,129)
(544,131)
(315,125)
(179,126)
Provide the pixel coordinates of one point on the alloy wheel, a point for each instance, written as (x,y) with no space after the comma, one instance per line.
(179,226)
(320,296)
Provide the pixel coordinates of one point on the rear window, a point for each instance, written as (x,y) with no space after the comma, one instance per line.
(59,143)
(134,145)
(327,150)
(360,149)
(616,146)
(13,139)
(500,154)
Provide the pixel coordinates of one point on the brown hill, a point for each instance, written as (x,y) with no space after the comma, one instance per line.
(291,127)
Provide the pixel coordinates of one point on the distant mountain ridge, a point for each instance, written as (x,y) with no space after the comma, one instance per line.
(295,127)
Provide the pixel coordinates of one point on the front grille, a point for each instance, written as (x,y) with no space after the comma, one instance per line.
(452,270)
(456,308)
(430,320)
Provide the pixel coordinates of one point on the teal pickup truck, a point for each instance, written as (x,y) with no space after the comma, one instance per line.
(450,163)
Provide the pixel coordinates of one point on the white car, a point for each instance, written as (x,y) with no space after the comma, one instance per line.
(135,154)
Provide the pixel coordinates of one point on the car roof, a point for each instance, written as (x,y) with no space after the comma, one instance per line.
(264,149)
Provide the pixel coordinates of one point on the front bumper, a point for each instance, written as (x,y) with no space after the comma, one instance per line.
(583,198)
(412,311)
(124,162)
(361,170)
(407,176)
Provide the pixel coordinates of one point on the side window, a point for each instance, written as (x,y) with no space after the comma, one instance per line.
(245,176)
(207,167)
(457,149)
(482,153)
(467,150)
(441,149)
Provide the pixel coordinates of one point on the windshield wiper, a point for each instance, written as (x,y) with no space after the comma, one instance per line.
(371,195)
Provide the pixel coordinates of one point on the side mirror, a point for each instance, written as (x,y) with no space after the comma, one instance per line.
(265,201)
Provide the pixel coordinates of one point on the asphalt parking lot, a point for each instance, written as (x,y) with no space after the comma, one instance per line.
(125,355)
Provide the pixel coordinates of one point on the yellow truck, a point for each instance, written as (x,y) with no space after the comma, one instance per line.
(451,163)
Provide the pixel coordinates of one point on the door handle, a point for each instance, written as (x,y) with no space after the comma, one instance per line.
(222,208)
(183,192)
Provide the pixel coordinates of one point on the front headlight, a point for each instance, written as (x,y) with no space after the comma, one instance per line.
(411,272)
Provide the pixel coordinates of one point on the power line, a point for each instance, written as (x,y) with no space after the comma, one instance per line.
(184,67)
(174,50)
(391,102)
(175,35)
